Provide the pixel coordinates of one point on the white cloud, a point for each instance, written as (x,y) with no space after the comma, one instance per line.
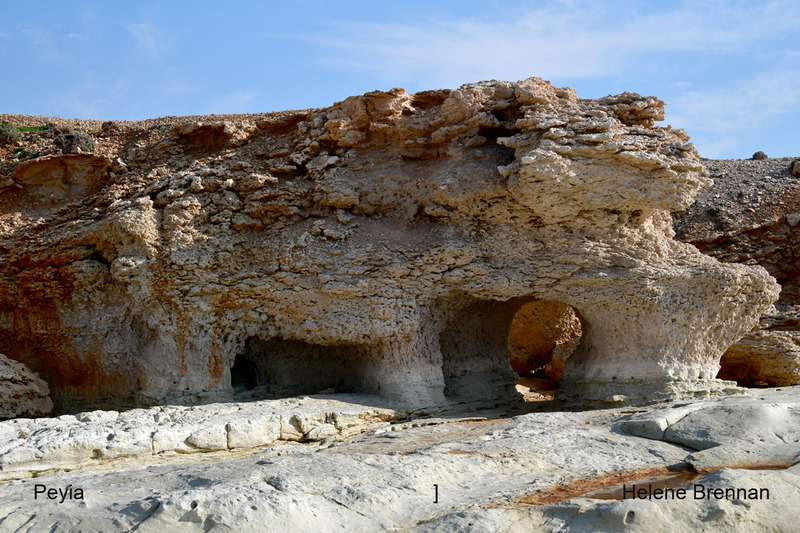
(173,87)
(34,35)
(722,118)
(77,105)
(145,38)
(576,39)
(42,43)
(746,105)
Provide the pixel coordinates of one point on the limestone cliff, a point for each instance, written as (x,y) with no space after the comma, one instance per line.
(751,215)
(383,245)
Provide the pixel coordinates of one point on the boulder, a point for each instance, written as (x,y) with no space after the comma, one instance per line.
(58,179)
(22,392)
(381,245)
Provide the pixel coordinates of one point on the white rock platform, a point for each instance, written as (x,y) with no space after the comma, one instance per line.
(355,464)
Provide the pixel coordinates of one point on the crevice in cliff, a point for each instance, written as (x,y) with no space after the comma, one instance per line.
(202,137)
(425,100)
(244,374)
(504,155)
(506,127)
(98,257)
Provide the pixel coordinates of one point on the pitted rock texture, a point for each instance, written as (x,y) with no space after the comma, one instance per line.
(764,357)
(751,215)
(381,245)
(22,392)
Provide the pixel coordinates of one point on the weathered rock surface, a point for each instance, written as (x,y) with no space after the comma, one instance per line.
(763,358)
(30,446)
(22,392)
(750,216)
(542,335)
(540,471)
(381,245)
(735,433)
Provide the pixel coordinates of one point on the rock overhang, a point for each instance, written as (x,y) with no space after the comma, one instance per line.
(382,222)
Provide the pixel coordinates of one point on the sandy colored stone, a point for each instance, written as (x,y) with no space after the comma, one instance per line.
(61,179)
(380,245)
(22,392)
(734,433)
(543,333)
(750,215)
(28,447)
(763,357)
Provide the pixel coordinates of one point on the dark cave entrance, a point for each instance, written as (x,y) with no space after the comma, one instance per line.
(244,374)
(484,343)
(282,368)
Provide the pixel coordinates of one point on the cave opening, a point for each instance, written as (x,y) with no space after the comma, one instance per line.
(275,367)
(244,374)
(541,337)
(473,344)
(515,348)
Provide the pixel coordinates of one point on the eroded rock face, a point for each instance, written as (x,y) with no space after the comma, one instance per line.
(22,392)
(394,235)
(763,357)
(542,335)
(750,216)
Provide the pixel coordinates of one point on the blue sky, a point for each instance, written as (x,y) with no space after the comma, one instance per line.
(728,70)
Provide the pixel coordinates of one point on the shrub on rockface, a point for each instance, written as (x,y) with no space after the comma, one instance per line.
(74,142)
(51,130)
(9,134)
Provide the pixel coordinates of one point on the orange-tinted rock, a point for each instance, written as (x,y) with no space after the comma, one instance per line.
(396,234)
(543,333)
(763,358)
(53,181)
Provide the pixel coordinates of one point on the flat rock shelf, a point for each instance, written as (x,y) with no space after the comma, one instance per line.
(504,470)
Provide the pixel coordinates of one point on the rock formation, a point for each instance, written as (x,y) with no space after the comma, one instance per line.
(542,335)
(22,393)
(763,358)
(31,447)
(381,245)
(751,215)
